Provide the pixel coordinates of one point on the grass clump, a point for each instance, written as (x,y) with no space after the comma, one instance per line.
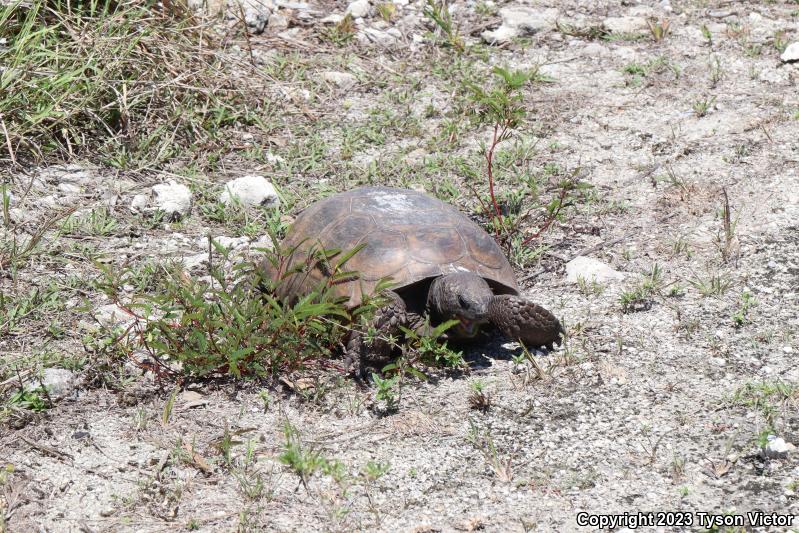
(235,324)
(770,399)
(641,297)
(137,83)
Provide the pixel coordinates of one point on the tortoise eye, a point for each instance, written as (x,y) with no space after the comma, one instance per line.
(462,302)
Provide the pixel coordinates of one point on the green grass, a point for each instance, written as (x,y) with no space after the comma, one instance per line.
(227,326)
(25,310)
(769,399)
(658,66)
(701,106)
(123,81)
(714,285)
(640,297)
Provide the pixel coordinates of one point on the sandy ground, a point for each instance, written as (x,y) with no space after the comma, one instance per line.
(663,408)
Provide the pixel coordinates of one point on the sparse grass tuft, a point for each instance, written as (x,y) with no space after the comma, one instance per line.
(479,399)
(438,12)
(646,71)
(769,399)
(741,315)
(640,297)
(589,33)
(387,11)
(726,239)
(780,41)
(501,464)
(658,29)
(590,287)
(707,34)
(304,461)
(716,72)
(714,285)
(701,106)
(342,32)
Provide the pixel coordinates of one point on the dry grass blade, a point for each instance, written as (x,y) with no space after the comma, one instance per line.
(197,460)
(717,469)
(8,141)
(15,253)
(728,242)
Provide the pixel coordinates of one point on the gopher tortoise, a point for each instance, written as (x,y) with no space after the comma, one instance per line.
(443,265)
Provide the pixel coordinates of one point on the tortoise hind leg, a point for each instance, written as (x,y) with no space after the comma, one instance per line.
(364,355)
(521,319)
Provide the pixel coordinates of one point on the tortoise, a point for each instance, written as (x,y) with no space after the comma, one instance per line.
(443,264)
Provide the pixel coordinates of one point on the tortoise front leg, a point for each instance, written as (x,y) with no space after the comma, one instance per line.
(521,319)
(361,356)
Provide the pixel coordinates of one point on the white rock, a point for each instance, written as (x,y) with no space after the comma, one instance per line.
(625,24)
(335,18)
(502,34)
(69,188)
(139,203)
(256,13)
(194,262)
(68,173)
(210,7)
(301,6)
(595,50)
(345,80)
(275,159)
(112,315)
(250,190)
(173,198)
(383,38)
(520,21)
(109,198)
(358,8)
(777,448)
(791,53)
(21,215)
(776,76)
(59,382)
(261,244)
(590,269)
(231,243)
(48,201)
(278,22)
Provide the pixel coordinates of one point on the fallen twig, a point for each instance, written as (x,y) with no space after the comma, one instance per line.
(46,449)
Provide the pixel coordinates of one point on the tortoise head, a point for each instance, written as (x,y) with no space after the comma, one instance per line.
(463,296)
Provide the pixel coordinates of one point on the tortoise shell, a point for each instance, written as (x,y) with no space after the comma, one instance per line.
(408,236)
